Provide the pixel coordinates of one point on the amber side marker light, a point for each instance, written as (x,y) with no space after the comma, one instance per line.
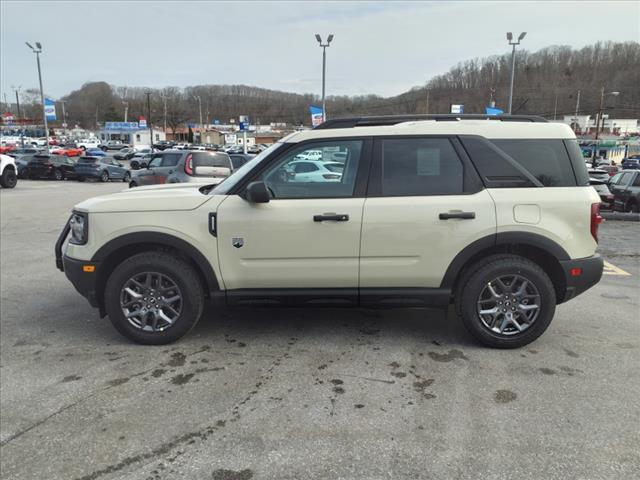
(89,268)
(576,272)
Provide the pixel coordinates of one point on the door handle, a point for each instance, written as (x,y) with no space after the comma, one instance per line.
(461,215)
(336,217)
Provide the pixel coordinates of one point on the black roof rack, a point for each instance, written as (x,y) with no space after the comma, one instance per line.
(350,122)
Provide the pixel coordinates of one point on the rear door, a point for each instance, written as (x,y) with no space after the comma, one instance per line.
(425,204)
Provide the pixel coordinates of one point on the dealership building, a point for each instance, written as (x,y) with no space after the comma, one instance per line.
(130,133)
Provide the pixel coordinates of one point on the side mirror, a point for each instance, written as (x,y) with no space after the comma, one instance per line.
(257,192)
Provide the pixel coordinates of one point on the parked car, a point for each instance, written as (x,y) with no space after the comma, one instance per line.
(598,174)
(239,159)
(8,172)
(21,151)
(68,150)
(463,211)
(312,171)
(606,197)
(626,191)
(56,167)
(89,143)
(95,152)
(631,164)
(113,145)
(137,163)
(125,154)
(102,168)
(610,169)
(173,166)
(7,149)
(163,145)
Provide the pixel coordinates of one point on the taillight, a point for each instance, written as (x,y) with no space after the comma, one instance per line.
(596,220)
(188,165)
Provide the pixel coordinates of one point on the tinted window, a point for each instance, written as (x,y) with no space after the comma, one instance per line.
(545,159)
(170,159)
(626,178)
(636,182)
(420,166)
(202,159)
(577,162)
(289,177)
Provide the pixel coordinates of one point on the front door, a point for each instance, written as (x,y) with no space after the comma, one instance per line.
(308,234)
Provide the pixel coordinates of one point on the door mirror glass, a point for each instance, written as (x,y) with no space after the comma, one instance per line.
(257,192)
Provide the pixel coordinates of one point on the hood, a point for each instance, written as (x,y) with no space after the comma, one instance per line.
(169,198)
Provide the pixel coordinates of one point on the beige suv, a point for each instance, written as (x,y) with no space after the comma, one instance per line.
(493,214)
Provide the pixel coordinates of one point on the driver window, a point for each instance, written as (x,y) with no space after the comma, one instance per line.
(319,170)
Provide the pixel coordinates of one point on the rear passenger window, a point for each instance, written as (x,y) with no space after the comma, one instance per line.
(420,166)
(547,160)
(210,160)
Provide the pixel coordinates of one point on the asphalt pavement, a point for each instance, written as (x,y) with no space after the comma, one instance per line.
(306,393)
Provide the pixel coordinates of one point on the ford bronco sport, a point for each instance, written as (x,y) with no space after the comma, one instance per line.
(493,214)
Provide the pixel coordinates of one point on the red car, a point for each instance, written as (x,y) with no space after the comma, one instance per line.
(610,169)
(68,151)
(7,148)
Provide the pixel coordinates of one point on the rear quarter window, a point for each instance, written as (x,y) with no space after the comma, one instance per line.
(202,159)
(545,159)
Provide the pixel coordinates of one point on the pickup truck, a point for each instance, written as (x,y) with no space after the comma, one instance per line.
(113,145)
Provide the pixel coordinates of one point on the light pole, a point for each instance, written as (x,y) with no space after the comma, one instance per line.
(513,63)
(37,50)
(126,110)
(148,94)
(200,108)
(324,69)
(601,116)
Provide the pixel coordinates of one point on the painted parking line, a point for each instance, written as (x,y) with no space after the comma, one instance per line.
(610,269)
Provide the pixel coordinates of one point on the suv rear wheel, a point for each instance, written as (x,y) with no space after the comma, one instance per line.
(154,298)
(9,179)
(506,301)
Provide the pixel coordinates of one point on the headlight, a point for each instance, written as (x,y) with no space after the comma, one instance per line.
(79,224)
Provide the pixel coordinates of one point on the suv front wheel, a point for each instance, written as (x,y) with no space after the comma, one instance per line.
(154,298)
(506,301)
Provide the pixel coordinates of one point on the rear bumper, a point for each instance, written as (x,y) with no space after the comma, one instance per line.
(591,273)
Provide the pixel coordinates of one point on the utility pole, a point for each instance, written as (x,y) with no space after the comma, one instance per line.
(513,63)
(126,110)
(427,107)
(17,90)
(37,51)
(64,115)
(200,108)
(601,116)
(577,109)
(148,94)
(324,70)
(555,106)
(492,103)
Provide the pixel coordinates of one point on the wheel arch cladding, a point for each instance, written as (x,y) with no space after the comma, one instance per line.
(537,248)
(119,249)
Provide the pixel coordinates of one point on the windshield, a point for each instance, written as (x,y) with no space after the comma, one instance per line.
(227,185)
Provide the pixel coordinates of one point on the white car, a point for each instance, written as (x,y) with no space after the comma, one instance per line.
(492,214)
(314,171)
(89,143)
(8,172)
(311,155)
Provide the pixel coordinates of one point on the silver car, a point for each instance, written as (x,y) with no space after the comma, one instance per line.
(182,166)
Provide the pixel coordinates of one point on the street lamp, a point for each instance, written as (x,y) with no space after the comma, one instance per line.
(324,68)
(513,63)
(38,50)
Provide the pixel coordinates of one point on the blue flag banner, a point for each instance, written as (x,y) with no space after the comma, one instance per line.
(50,109)
(316,115)
(493,111)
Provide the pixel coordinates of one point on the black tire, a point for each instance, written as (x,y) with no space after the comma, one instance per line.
(9,178)
(170,266)
(104,176)
(104,149)
(632,208)
(126,178)
(81,179)
(135,165)
(476,279)
(58,174)
(133,184)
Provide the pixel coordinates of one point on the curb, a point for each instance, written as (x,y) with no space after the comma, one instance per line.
(619,216)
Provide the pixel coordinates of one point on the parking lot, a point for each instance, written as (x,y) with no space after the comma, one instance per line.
(306,393)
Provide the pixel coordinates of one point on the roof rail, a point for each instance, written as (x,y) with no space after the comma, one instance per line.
(350,122)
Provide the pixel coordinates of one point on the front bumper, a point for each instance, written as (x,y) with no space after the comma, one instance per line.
(83,280)
(591,273)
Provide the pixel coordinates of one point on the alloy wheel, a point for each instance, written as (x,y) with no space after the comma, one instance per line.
(151,301)
(509,304)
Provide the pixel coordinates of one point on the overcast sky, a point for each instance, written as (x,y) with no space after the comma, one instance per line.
(383,48)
